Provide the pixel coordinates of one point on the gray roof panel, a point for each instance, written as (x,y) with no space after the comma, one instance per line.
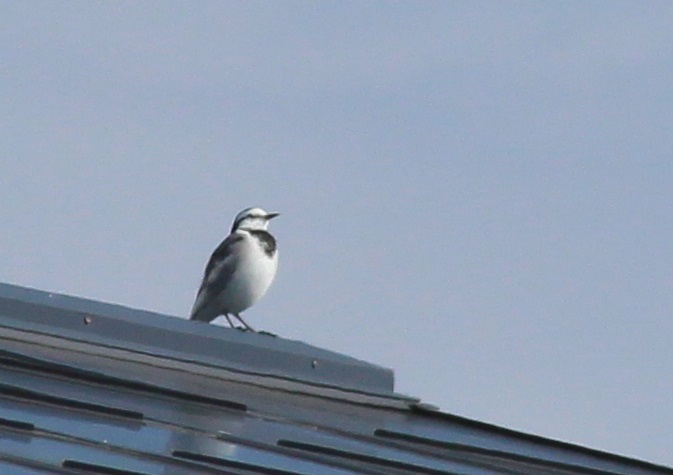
(141,331)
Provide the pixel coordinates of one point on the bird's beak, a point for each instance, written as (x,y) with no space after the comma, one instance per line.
(271,215)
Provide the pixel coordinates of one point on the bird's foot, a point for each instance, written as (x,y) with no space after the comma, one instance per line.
(264,332)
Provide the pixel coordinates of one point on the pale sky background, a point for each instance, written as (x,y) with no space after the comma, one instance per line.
(476,194)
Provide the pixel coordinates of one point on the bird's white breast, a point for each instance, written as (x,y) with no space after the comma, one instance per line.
(254,272)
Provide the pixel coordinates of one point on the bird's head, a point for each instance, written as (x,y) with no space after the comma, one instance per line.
(252,218)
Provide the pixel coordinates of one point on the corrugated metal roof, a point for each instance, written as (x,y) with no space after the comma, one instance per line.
(88,387)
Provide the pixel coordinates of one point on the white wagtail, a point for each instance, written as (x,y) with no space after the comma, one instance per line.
(240,271)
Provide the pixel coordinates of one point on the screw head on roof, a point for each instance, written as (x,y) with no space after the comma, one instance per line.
(87,320)
(314,364)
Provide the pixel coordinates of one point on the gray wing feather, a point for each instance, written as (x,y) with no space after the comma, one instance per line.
(219,270)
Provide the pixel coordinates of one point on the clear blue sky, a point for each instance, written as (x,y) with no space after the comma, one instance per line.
(476,194)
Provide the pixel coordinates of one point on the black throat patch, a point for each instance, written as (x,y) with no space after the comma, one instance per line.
(266,240)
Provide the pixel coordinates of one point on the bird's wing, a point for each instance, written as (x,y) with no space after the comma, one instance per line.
(218,272)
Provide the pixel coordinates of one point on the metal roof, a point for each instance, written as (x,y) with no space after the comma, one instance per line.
(89,387)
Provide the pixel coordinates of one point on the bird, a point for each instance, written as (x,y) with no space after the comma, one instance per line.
(240,270)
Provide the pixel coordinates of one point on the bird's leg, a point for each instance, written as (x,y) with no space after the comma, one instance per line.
(226,315)
(247,327)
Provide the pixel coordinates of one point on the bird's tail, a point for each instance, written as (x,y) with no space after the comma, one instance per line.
(202,311)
